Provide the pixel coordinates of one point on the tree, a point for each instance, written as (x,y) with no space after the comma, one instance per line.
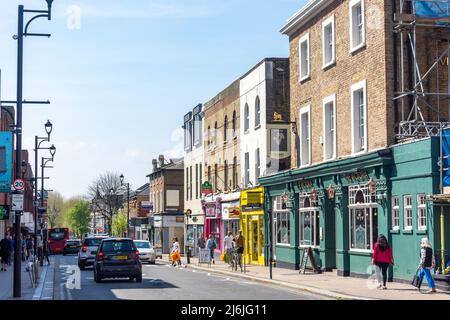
(106,193)
(119,224)
(55,204)
(80,218)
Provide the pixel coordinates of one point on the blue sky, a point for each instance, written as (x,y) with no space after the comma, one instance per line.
(121,77)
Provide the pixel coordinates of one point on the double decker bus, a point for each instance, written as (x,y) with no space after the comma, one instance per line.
(57,239)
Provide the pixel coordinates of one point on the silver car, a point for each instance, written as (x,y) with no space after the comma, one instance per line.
(146,251)
(89,248)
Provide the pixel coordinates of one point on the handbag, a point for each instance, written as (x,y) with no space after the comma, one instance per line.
(417,281)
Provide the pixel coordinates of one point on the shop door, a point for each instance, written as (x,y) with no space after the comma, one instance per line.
(255,245)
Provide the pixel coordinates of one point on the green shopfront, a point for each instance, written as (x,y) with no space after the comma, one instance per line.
(339,208)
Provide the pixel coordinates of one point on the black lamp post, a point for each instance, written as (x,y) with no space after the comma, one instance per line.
(37,146)
(128,204)
(44,166)
(22,32)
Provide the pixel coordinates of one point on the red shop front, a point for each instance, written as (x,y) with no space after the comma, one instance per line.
(213,220)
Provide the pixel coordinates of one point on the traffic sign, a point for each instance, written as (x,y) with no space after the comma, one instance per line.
(17,202)
(19,185)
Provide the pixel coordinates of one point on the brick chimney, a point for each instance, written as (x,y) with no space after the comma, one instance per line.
(161,161)
(155,165)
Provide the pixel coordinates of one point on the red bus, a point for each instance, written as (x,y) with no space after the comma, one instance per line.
(57,239)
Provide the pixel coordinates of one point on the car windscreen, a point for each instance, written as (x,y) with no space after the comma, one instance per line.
(118,246)
(73,243)
(92,242)
(143,245)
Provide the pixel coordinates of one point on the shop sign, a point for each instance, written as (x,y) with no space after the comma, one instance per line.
(231,210)
(331,192)
(4,213)
(207,188)
(357,177)
(211,210)
(305,184)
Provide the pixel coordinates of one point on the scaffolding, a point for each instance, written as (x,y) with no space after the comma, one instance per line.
(421,108)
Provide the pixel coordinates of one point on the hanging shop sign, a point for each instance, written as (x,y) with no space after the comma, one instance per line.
(6,162)
(211,210)
(207,188)
(4,212)
(231,210)
(331,192)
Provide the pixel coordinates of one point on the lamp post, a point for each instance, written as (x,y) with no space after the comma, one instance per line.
(44,162)
(37,146)
(19,101)
(128,204)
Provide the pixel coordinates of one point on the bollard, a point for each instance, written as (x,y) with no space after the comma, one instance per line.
(188,255)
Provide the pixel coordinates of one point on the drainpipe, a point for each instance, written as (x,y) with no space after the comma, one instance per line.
(442,207)
(395,62)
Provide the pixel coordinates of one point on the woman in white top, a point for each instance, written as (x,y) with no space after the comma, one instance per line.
(176,248)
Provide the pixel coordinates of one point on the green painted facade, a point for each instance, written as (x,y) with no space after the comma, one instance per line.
(406,169)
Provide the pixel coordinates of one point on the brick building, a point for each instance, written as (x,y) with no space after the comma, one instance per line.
(166,193)
(357,172)
(138,214)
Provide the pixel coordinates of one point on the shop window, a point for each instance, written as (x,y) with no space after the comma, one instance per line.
(395,213)
(281,222)
(309,221)
(215,231)
(422,212)
(408,212)
(363,218)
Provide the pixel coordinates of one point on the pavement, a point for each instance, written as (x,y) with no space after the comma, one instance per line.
(327,284)
(7,283)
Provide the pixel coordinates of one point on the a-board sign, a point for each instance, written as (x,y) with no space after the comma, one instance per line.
(308,254)
(204,256)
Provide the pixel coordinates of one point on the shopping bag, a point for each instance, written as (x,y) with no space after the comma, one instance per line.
(222,257)
(417,281)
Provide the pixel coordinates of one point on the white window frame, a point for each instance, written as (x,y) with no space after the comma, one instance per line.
(407,208)
(395,208)
(277,211)
(357,87)
(325,24)
(302,40)
(421,209)
(326,101)
(354,3)
(306,110)
(246,118)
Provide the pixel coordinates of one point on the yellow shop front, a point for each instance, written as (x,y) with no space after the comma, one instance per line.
(252,225)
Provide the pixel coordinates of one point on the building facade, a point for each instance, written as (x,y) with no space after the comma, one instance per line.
(166,193)
(264,143)
(139,213)
(351,178)
(222,161)
(193,173)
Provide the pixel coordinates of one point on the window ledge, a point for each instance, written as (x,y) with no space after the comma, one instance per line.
(360,252)
(422,232)
(305,78)
(286,245)
(409,231)
(258,127)
(395,231)
(329,64)
(358,48)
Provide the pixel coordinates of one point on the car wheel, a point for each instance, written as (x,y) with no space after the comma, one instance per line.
(139,279)
(97,277)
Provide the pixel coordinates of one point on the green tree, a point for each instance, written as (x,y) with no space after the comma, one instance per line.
(54,210)
(119,224)
(79,218)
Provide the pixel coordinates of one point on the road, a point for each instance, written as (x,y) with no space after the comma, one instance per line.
(162,282)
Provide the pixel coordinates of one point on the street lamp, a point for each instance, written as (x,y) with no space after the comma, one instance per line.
(128,204)
(37,146)
(22,32)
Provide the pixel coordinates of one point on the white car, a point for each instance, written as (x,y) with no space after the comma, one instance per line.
(146,251)
(86,256)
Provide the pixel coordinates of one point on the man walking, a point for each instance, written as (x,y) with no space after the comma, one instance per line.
(211,246)
(240,245)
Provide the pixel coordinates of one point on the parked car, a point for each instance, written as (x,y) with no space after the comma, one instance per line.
(86,255)
(72,246)
(117,258)
(146,251)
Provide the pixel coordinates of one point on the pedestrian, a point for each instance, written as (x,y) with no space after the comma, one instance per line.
(240,247)
(175,253)
(24,249)
(30,247)
(47,251)
(211,246)
(5,252)
(382,258)
(11,246)
(228,246)
(201,242)
(427,262)
(40,249)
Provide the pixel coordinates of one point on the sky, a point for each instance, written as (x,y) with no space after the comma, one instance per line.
(121,74)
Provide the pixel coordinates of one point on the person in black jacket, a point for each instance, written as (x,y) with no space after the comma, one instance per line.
(427,263)
(5,252)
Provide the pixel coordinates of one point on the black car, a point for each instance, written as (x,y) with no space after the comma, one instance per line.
(117,258)
(72,246)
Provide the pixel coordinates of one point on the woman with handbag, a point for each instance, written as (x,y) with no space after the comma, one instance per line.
(427,262)
(382,258)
